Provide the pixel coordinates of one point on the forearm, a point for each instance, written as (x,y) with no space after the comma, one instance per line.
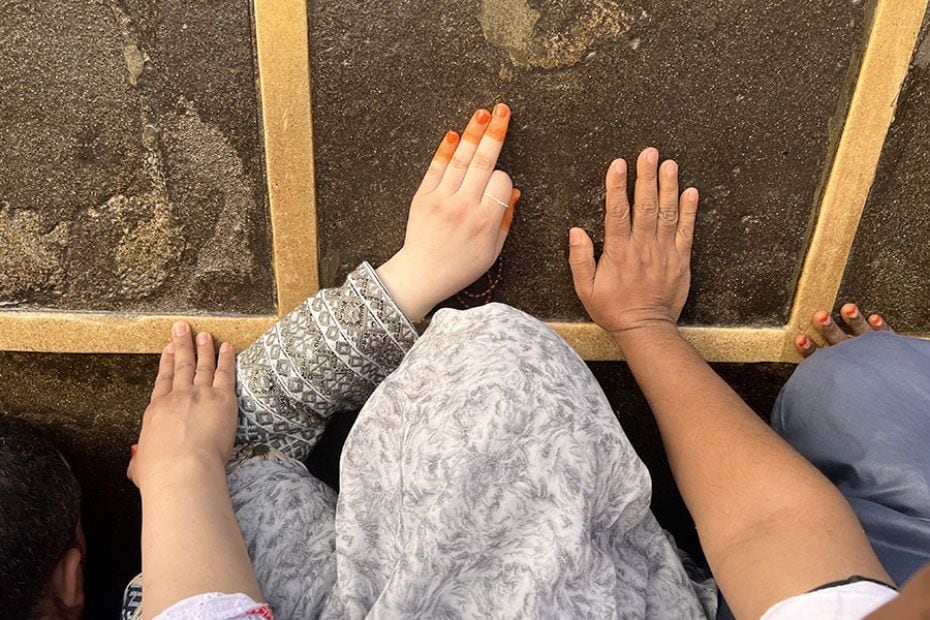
(191,542)
(325,356)
(716,445)
(751,495)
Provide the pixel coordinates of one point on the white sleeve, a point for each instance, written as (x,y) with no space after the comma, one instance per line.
(217,606)
(852,601)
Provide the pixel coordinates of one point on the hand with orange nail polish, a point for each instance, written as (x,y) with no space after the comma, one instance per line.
(459,217)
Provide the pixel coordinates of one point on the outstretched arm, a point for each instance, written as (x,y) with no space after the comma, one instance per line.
(771,525)
(191,542)
(331,352)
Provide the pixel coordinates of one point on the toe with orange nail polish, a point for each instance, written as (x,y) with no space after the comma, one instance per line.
(822,317)
(804,342)
(851,311)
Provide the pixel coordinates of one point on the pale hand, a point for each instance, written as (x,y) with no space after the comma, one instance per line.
(459,218)
(191,419)
(643,275)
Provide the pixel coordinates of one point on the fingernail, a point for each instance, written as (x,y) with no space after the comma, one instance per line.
(502,110)
(225,347)
(482,116)
(202,338)
(652,155)
(515,196)
(671,168)
(452,137)
(574,236)
(180,328)
(620,167)
(133,449)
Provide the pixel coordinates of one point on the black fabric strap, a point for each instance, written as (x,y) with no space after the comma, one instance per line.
(849,580)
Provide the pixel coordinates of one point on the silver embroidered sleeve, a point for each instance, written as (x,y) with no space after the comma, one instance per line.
(327,355)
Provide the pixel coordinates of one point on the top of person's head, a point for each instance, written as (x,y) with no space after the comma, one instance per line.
(39,509)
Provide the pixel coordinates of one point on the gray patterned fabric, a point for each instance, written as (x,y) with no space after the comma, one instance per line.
(486,477)
(325,356)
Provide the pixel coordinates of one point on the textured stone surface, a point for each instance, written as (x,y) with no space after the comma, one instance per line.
(890,262)
(741,93)
(131,174)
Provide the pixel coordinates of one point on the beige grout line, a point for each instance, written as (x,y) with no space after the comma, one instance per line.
(895,26)
(59,332)
(55,332)
(284,74)
(715,344)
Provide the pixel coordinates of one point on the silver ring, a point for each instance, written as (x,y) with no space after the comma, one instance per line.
(497,200)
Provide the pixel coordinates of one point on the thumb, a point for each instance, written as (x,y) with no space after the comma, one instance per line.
(581,261)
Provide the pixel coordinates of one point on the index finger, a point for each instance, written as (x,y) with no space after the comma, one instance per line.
(616,206)
(165,373)
(225,376)
(489,149)
(439,162)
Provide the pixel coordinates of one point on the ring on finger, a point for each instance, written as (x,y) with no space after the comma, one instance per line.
(497,200)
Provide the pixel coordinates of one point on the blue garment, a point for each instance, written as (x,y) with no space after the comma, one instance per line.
(860,412)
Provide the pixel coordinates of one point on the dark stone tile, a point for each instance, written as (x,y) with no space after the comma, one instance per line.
(890,261)
(132,174)
(745,95)
(757,384)
(92,405)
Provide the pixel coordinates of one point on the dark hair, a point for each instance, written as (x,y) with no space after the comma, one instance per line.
(40,502)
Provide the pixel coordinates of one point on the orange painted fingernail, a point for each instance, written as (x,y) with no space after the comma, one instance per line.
(507,219)
(447,147)
(515,196)
(498,128)
(822,317)
(502,110)
(133,449)
(476,127)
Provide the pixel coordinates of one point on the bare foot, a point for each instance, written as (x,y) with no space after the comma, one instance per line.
(831,332)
